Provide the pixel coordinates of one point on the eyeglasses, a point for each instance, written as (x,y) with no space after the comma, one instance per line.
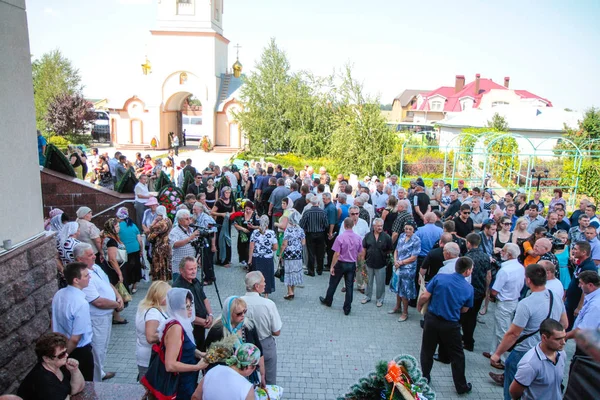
(239,314)
(466,213)
(353,213)
(61,355)
(507,224)
(188,306)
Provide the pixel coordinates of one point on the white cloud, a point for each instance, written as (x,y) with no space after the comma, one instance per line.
(51,11)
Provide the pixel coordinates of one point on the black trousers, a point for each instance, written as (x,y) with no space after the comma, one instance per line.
(86,361)
(200,337)
(315,246)
(468,322)
(329,250)
(208,269)
(243,249)
(438,330)
(347,271)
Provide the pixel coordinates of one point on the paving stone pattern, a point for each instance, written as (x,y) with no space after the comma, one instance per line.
(321,352)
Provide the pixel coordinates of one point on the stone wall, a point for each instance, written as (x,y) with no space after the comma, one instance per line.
(27,285)
(68,194)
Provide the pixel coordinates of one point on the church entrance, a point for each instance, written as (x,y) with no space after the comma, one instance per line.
(182,115)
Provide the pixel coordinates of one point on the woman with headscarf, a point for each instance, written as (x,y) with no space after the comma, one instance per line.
(221,210)
(180,308)
(51,215)
(161,250)
(67,240)
(131,238)
(291,253)
(263,244)
(233,321)
(116,271)
(88,232)
(245,224)
(230,382)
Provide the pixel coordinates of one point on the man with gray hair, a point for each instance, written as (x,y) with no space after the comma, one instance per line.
(181,238)
(451,254)
(363,213)
(506,290)
(551,282)
(103,299)
(263,312)
(278,194)
(377,245)
(404,217)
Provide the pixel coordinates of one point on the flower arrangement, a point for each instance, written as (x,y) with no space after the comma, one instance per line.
(206,144)
(171,197)
(399,379)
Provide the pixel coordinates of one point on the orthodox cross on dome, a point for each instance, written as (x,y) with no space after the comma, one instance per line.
(237,48)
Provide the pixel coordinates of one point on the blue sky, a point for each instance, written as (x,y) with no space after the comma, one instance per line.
(547,47)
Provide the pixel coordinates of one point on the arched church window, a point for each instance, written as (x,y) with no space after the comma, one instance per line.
(183,77)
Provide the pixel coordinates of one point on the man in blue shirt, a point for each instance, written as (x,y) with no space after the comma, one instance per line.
(71,317)
(449,296)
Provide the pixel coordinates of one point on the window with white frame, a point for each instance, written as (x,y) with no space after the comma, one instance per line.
(436,105)
(499,103)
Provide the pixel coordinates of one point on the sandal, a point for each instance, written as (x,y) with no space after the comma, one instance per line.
(483,311)
(497,365)
(288,297)
(121,322)
(403,318)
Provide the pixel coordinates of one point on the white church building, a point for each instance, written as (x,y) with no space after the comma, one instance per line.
(187,54)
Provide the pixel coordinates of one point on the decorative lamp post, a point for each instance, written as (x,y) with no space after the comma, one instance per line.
(539,176)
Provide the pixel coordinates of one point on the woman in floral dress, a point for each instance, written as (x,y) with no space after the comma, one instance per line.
(405,268)
(263,244)
(291,253)
(161,250)
(245,224)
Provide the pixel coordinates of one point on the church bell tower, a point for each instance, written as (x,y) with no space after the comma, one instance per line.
(190,15)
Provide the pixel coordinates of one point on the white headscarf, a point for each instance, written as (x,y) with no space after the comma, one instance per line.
(56,224)
(68,229)
(176,299)
(162,211)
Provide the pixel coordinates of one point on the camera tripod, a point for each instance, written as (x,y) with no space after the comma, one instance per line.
(201,245)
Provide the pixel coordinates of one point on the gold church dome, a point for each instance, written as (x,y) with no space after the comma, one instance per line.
(237,69)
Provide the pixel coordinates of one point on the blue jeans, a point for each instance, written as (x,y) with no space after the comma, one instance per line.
(510,370)
(345,270)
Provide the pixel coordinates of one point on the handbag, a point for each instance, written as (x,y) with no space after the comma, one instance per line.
(160,383)
(421,291)
(121,256)
(280,273)
(123,292)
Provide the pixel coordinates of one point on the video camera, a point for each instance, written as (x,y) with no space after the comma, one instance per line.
(557,244)
(202,232)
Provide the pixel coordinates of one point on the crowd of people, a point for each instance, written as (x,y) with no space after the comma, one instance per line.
(447,251)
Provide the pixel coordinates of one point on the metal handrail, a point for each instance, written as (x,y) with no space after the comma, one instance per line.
(112,208)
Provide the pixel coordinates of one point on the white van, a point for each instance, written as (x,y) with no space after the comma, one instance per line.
(192,126)
(101,127)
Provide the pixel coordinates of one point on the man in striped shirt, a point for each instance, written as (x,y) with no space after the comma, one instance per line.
(315,224)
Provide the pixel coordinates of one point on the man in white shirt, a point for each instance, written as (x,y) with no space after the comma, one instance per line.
(103,299)
(142,195)
(380,197)
(551,282)
(263,312)
(506,289)
(71,317)
(394,185)
(451,254)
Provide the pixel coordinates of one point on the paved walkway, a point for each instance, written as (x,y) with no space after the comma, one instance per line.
(321,352)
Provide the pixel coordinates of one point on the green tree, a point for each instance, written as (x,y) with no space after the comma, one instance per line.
(498,123)
(361,139)
(265,96)
(53,74)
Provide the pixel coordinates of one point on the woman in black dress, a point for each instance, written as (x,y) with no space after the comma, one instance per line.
(221,210)
(211,192)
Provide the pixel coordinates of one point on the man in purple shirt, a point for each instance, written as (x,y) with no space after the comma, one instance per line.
(347,247)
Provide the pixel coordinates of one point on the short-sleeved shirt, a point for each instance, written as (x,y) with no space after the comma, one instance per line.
(195,286)
(187,250)
(99,287)
(509,280)
(141,189)
(348,245)
(421,200)
(534,223)
(143,349)
(71,314)
(263,312)
(556,286)
(429,235)
(463,228)
(65,250)
(280,193)
(531,311)
(87,233)
(377,250)
(481,266)
(331,213)
(148,218)
(595,244)
(449,294)
(589,316)
(574,291)
(541,376)
(128,235)
(361,228)
(41,384)
(263,243)
(293,235)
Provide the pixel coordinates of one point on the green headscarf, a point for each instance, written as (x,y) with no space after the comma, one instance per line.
(246,355)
